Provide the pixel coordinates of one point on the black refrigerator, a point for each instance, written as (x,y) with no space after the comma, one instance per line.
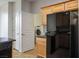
(62,35)
(74,33)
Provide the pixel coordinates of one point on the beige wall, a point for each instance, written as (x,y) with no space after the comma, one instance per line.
(26,6)
(4,20)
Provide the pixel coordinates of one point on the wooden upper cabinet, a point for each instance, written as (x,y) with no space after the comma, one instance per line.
(58,8)
(72,5)
(65,6)
(70,0)
(47,10)
(53,8)
(50,10)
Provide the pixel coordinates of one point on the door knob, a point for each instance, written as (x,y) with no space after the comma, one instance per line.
(22,34)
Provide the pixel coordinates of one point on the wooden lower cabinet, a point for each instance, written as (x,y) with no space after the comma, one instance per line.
(41,51)
(41,48)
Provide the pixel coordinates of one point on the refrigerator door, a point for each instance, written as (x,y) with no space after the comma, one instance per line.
(74,33)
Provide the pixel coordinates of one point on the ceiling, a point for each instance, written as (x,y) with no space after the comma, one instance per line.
(3,1)
(13,0)
(31,0)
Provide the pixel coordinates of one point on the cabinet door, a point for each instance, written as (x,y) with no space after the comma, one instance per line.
(47,10)
(41,49)
(72,5)
(70,0)
(58,8)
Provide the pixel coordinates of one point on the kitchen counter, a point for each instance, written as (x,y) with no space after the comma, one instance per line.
(41,36)
(3,40)
(6,47)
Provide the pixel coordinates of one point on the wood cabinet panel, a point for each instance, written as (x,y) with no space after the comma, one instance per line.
(70,0)
(47,10)
(51,10)
(44,19)
(41,47)
(72,5)
(41,51)
(65,6)
(58,8)
(41,40)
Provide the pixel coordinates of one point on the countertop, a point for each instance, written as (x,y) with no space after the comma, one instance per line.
(41,36)
(2,40)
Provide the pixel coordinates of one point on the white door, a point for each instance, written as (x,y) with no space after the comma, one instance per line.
(27,32)
(17,32)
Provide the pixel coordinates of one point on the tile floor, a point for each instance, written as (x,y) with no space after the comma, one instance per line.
(28,54)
